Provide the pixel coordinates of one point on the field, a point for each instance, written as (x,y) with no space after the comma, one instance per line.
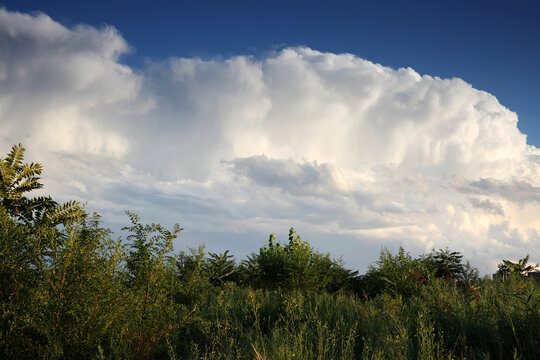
(70,290)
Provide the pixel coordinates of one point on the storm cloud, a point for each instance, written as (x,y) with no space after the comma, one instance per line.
(332,144)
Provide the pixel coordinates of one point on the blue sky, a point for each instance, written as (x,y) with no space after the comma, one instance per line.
(361,124)
(494,45)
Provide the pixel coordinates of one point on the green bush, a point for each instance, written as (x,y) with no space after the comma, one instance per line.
(295,266)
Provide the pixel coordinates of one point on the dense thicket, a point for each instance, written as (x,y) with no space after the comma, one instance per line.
(68,290)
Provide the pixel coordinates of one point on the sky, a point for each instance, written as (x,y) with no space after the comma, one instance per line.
(360,124)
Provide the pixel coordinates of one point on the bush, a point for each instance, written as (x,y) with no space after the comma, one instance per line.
(295,266)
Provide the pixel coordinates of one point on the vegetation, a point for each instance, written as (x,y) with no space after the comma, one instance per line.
(508,267)
(69,290)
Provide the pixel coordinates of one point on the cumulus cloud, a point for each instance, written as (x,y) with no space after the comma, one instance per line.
(291,176)
(57,85)
(333,144)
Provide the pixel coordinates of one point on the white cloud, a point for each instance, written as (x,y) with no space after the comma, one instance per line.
(57,85)
(335,145)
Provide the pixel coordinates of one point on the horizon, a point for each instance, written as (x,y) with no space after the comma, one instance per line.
(355,144)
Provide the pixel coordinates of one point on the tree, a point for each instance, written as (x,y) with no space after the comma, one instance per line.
(148,276)
(448,264)
(17,179)
(398,274)
(295,266)
(220,268)
(59,292)
(508,267)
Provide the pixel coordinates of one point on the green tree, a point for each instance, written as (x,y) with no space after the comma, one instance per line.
(17,179)
(294,266)
(78,308)
(447,264)
(220,268)
(508,267)
(149,278)
(194,281)
(19,279)
(59,289)
(396,274)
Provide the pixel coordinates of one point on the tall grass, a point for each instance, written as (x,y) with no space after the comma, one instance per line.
(494,320)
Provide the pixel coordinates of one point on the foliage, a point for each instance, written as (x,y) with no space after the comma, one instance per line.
(294,266)
(521,267)
(63,295)
(193,282)
(71,291)
(221,268)
(447,264)
(397,274)
(149,279)
(16,179)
